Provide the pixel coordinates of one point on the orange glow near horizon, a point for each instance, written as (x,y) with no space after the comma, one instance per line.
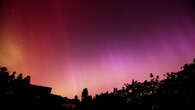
(71,45)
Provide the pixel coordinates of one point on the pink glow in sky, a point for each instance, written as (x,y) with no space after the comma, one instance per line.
(96,44)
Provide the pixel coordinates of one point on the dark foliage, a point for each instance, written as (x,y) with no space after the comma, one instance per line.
(173,91)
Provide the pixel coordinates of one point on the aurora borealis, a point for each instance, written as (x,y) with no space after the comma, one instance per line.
(99,44)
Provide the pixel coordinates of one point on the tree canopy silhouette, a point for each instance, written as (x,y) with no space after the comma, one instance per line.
(173,91)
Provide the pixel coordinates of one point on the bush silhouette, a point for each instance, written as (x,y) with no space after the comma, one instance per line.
(174,91)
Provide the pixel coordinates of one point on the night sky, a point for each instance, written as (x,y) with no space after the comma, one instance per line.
(99,44)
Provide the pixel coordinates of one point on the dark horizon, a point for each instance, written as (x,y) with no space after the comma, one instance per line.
(174,91)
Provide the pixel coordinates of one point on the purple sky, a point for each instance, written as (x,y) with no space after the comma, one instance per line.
(99,44)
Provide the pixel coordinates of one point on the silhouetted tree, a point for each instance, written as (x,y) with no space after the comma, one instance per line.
(76,100)
(27,80)
(85,96)
(151,75)
(3,69)
(12,77)
(84,93)
(20,77)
